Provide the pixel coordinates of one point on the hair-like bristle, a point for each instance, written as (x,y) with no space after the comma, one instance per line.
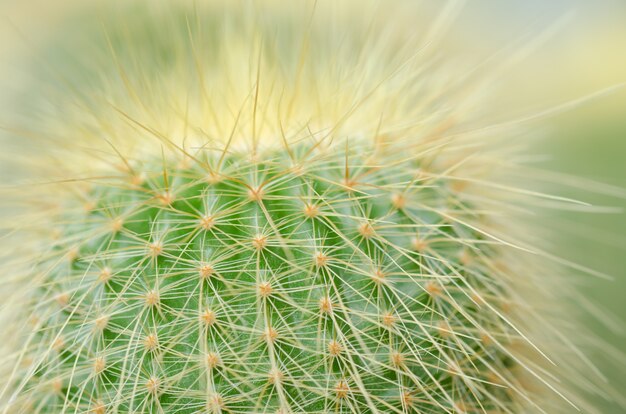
(272,208)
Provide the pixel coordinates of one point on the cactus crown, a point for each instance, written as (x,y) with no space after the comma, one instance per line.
(258,219)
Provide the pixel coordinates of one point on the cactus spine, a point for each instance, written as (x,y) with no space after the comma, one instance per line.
(264,221)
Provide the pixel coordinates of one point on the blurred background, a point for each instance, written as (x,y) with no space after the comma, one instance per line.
(580,50)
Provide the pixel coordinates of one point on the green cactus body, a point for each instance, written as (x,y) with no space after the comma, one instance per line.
(318,283)
(286,210)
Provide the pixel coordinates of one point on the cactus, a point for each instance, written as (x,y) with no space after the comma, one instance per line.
(251,224)
(305,284)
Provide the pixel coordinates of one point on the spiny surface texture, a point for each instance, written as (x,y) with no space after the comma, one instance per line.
(319,284)
(273,209)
